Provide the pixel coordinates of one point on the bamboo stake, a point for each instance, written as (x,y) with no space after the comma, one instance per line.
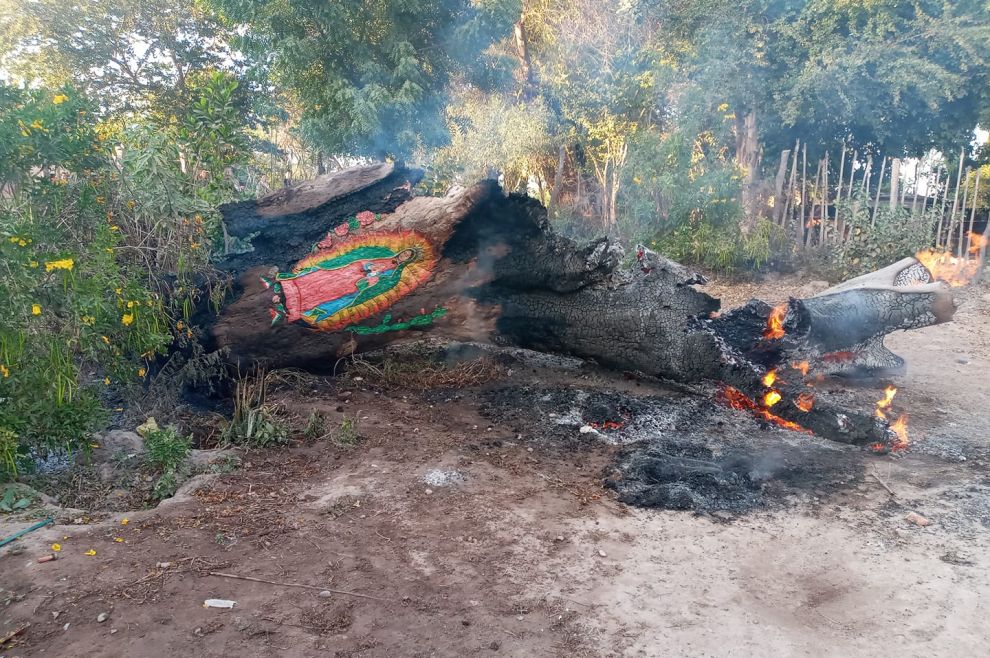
(865,184)
(838,191)
(790,186)
(804,197)
(895,181)
(955,202)
(962,217)
(778,185)
(809,225)
(941,214)
(914,197)
(823,231)
(876,201)
(972,214)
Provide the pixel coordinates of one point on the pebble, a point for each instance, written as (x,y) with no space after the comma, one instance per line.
(602,553)
(164,565)
(112,631)
(326,594)
(559,538)
(66,627)
(917,519)
(102,617)
(429,491)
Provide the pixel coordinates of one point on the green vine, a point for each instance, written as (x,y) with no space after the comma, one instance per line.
(415,321)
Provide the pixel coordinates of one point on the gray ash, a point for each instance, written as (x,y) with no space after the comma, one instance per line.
(677,451)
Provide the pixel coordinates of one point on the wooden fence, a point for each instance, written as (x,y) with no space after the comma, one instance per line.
(818,210)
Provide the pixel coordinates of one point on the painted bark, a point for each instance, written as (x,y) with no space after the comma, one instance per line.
(489,267)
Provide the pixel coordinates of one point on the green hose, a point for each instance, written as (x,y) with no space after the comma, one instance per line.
(17,535)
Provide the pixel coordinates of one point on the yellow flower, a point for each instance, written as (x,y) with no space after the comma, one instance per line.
(119,540)
(88,320)
(106,380)
(130,304)
(59,99)
(35,309)
(179,325)
(90,552)
(36,124)
(56,547)
(22,242)
(723,107)
(63,264)
(14,239)
(141,372)
(99,199)
(33,263)
(124,521)
(4,370)
(127,319)
(117,290)
(105,339)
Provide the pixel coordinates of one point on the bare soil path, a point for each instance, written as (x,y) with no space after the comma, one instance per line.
(523,553)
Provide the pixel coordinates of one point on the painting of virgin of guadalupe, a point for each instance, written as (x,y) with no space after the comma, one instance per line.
(335,288)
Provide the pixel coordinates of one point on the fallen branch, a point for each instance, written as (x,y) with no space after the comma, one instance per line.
(12,634)
(882,483)
(276,582)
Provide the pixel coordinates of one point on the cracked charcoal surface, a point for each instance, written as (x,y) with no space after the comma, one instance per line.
(679,452)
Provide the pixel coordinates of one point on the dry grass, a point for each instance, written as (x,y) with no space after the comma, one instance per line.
(421,374)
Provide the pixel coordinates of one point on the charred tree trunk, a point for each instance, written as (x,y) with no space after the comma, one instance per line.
(352,261)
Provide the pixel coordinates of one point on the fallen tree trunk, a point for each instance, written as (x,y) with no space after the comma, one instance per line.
(351,261)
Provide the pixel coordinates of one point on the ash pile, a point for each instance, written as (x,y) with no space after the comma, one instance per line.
(679,452)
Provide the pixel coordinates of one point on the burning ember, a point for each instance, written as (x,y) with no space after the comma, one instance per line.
(775,323)
(736,399)
(805,402)
(801,366)
(899,426)
(771,398)
(951,270)
(607,425)
(770,378)
(977,242)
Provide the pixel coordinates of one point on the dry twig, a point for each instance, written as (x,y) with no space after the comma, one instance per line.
(275,582)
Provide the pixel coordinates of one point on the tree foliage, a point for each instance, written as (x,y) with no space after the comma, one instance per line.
(373,77)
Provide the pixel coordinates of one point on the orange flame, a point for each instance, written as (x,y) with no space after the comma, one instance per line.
(736,399)
(947,268)
(977,241)
(805,402)
(775,323)
(899,428)
(801,366)
(770,378)
(771,398)
(888,398)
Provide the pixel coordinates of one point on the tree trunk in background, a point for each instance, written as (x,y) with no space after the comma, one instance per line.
(352,261)
(558,181)
(747,157)
(778,186)
(895,180)
(525,64)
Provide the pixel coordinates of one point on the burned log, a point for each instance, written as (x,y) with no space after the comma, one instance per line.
(352,261)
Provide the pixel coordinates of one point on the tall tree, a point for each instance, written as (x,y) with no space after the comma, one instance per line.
(132,55)
(373,77)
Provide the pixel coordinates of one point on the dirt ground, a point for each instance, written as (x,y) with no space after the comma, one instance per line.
(441,533)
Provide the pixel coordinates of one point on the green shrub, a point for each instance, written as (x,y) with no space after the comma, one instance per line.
(104,238)
(166,449)
(254,422)
(875,242)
